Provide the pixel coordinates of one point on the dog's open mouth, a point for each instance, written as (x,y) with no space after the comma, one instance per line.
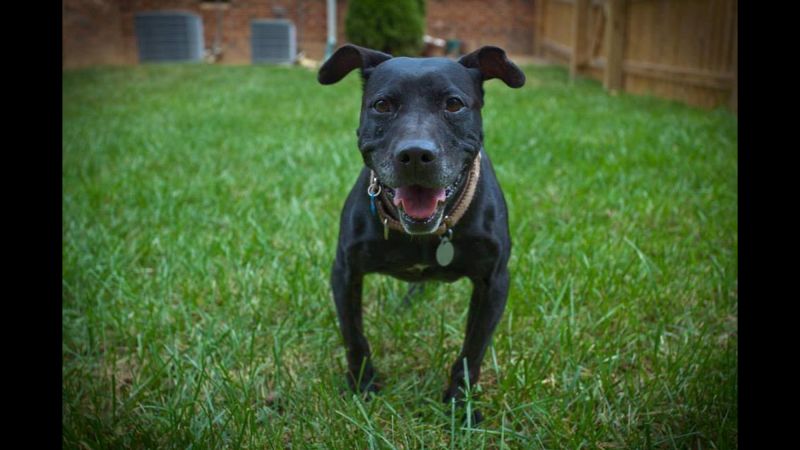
(420,209)
(419,203)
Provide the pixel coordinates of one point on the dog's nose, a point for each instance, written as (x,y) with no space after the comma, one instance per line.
(416,152)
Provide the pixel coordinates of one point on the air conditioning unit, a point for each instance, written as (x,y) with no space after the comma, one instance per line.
(169,36)
(273,41)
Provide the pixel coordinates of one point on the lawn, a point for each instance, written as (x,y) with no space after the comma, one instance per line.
(200,214)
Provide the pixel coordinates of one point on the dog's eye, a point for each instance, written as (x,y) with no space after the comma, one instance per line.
(454,105)
(382,106)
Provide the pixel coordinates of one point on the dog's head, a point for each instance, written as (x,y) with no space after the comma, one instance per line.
(420,126)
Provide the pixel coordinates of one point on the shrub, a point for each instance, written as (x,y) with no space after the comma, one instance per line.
(395,26)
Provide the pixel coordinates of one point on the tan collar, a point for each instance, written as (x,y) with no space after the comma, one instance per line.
(459,209)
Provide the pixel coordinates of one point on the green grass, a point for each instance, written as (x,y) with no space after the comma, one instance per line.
(200,213)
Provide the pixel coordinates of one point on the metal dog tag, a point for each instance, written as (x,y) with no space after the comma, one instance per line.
(445,252)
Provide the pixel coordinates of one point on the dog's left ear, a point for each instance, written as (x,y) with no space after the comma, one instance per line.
(348,58)
(492,62)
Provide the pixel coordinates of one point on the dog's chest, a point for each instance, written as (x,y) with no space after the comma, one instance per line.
(410,264)
(422,272)
(415,259)
(417,268)
(418,263)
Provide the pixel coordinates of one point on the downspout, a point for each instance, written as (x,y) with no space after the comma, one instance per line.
(331,29)
(216,48)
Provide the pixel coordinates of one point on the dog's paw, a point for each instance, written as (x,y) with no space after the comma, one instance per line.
(455,394)
(370,388)
(451,393)
(472,419)
(414,291)
(365,386)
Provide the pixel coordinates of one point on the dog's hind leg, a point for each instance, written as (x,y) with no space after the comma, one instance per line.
(414,290)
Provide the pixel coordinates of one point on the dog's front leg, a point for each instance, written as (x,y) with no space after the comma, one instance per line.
(485,310)
(346,285)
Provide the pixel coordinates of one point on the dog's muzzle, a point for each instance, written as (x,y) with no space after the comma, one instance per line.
(421,210)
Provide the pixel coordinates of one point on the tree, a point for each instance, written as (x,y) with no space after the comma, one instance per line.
(393,26)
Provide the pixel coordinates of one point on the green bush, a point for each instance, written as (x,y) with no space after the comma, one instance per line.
(395,26)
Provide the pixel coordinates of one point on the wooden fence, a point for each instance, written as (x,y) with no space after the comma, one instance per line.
(677,49)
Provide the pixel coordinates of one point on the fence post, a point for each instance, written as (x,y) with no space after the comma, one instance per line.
(615,44)
(580,44)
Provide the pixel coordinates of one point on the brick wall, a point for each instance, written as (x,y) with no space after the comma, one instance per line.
(91,33)
(508,24)
(102,31)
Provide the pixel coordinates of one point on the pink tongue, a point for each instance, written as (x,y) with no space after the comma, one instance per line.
(418,202)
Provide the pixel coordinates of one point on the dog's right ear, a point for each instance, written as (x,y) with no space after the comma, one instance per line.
(347,58)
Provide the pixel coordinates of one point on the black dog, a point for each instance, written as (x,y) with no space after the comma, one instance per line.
(427,206)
